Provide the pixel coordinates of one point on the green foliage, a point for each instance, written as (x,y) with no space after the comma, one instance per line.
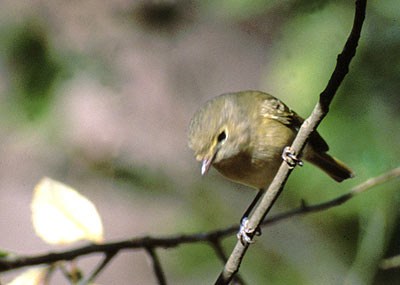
(33,70)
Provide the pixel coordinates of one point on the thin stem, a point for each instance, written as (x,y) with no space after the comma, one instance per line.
(219,250)
(156,266)
(108,257)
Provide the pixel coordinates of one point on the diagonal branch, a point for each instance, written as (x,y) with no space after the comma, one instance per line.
(219,251)
(155,262)
(305,209)
(309,125)
(390,263)
(107,258)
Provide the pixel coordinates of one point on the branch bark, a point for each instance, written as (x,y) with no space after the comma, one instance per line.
(11,262)
(309,125)
(107,258)
(156,264)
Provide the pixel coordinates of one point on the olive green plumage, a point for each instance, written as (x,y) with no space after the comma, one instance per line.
(243,135)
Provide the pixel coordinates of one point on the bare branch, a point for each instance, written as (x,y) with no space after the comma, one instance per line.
(361,188)
(309,125)
(372,182)
(11,262)
(156,266)
(217,246)
(107,258)
(390,263)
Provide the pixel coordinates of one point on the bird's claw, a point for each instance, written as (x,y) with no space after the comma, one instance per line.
(291,158)
(246,234)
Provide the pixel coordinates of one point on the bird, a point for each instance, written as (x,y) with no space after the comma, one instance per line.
(243,135)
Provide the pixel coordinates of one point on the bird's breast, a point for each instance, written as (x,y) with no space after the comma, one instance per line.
(247,169)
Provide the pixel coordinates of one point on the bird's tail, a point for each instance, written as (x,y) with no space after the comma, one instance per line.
(331,166)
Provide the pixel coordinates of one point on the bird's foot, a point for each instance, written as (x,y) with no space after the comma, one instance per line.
(246,234)
(291,158)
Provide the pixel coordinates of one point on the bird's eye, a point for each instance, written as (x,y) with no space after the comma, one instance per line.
(221,137)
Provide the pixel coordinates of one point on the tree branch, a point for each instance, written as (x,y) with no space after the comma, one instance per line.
(309,125)
(361,188)
(390,263)
(219,251)
(156,266)
(11,262)
(107,258)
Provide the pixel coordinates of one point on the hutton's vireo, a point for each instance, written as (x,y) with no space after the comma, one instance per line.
(243,135)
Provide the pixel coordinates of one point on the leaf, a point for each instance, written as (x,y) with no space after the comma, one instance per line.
(33,276)
(3,253)
(61,215)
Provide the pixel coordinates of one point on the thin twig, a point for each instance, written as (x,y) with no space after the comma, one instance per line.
(390,263)
(219,250)
(49,273)
(107,258)
(309,125)
(155,262)
(363,187)
(11,262)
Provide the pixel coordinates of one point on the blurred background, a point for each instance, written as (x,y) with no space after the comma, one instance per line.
(99,94)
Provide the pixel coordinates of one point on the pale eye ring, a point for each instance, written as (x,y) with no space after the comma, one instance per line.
(222,137)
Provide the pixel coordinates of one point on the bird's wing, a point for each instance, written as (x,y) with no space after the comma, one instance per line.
(274,109)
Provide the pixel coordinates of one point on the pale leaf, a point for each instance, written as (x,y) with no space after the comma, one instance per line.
(34,276)
(61,215)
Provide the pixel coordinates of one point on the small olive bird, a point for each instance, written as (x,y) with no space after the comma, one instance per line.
(243,136)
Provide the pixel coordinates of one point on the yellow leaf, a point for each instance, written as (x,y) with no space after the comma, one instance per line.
(61,215)
(33,276)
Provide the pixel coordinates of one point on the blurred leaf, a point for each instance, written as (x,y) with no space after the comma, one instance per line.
(61,215)
(3,253)
(32,69)
(33,276)
(159,16)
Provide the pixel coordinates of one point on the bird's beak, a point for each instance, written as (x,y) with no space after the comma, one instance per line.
(205,165)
